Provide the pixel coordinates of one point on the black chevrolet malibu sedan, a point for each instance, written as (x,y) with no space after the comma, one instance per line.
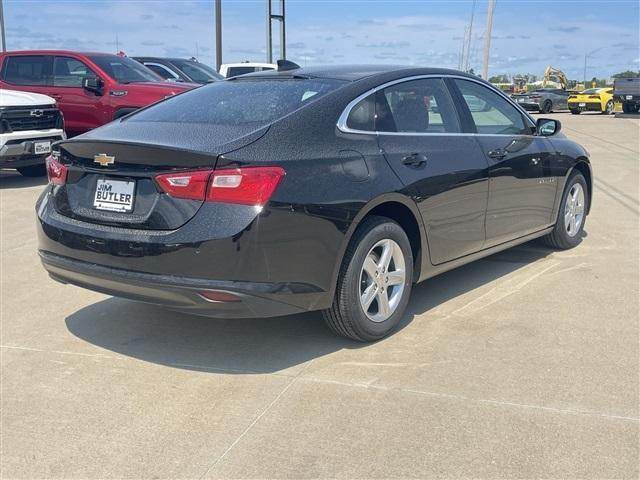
(332,189)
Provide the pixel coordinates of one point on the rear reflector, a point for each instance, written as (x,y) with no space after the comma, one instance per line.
(246,186)
(216,296)
(56,171)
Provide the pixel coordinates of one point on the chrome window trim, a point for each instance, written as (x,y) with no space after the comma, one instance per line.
(342,120)
(164,67)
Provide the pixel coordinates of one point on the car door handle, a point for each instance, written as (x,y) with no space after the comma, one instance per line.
(414,160)
(497,154)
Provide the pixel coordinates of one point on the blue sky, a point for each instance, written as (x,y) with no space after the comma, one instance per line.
(527,35)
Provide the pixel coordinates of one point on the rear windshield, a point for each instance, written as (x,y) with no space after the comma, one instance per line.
(239,102)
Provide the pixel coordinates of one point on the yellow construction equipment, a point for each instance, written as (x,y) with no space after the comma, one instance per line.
(554,78)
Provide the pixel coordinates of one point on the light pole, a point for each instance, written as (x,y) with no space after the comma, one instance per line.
(218,34)
(2,35)
(487,39)
(587,55)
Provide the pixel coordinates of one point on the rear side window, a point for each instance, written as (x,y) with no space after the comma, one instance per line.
(239,102)
(161,70)
(27,70)
(362,115)
(69,72)
(417,106)
(491,113)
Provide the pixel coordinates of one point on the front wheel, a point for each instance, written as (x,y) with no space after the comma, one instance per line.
(567,232)
(546,107)
(374,283)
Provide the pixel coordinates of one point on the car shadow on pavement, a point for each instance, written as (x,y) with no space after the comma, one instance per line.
(263,345)
(12,179)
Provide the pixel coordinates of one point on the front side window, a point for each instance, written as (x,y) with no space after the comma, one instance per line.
(240,102)
(197,71)
(491,113)
(69,72)
(32,70)
(124,70)
(162,71)
(416,106)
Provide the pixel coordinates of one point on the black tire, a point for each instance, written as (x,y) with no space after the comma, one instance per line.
(33,170)
(546,107)
(346,316)
(559,237)
(609,108)
(628,107)
(574,111)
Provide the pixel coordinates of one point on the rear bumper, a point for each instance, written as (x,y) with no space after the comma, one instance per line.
(588,106)
(530,106)
(177,293)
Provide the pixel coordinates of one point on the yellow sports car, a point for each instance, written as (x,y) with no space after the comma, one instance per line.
(592,100)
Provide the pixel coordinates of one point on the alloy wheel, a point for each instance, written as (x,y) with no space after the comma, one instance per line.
(382,280)
(574,210)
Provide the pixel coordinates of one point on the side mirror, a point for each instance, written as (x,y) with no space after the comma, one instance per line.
(545,127)
(93,84)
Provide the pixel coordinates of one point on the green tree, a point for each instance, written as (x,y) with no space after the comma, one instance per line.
(627,74)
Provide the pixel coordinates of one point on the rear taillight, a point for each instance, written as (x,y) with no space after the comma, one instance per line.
(535,97)
(190,185)
(246,186)
(595,96)
(56,171)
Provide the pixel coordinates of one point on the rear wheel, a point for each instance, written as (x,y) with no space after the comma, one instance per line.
(546,107)
(574,111)
(567,232)
(374,283)
(33,170)
(608,110)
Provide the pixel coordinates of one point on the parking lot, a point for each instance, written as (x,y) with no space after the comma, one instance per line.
(525,364)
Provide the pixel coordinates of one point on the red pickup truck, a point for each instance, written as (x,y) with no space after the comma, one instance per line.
(91,89)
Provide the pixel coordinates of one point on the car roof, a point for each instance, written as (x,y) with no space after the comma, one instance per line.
(58,52)
(356,72)
(164,59)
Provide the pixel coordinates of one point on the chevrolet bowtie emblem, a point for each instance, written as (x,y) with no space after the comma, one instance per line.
(103,159)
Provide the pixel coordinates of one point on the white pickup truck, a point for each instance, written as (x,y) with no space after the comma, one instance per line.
(29,124)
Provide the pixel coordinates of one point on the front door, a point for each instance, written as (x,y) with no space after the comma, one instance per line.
(522,187)
(83,110)
(444,171)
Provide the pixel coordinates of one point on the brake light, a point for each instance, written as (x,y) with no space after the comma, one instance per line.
(189,185)
(246,186)
(56,171)
(535,97)
(595,96)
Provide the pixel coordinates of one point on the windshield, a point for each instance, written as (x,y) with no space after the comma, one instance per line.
(198,72)
(247,102)
(124,70)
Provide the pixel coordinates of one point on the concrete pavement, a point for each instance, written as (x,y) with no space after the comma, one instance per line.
(525,364)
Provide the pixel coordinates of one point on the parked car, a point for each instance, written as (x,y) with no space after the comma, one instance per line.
(331,189)
(91,88)
(544,100)
(592,100)
(29,123)
(235,69)
(627,91)
(180,70)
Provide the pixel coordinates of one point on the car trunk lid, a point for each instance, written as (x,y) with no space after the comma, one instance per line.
(113,182)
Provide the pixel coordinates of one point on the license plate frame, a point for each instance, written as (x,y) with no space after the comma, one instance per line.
(113,195)
(582,104)
(42,147)
(629,97)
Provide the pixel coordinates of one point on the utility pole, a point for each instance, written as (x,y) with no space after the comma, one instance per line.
(4,39)
(283,39)
(464,46)
(466,60)
(487,40)
(218,34)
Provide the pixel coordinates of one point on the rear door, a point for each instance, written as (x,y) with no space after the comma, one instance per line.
(443,170)
(29,73)
(522,185)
